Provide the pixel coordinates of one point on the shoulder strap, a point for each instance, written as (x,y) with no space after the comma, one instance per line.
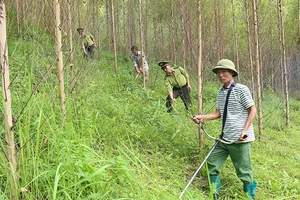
(225,107)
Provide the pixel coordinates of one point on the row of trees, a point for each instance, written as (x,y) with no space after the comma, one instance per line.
(170,31)
(194,34)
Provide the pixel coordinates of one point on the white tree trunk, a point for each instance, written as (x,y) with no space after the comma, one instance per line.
(236,45)
(200,77)
(285,79)
(8,122)
(59,55)
(173,32)
(259,104)
(142,40)
(249,46)
(114,35)
(182,23)
(71,44)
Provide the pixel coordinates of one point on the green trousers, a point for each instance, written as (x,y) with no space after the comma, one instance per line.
(240,156)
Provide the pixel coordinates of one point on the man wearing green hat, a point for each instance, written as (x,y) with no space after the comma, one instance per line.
(236,108)
(88,43)
(177,83)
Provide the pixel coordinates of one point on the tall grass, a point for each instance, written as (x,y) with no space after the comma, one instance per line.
(119,142)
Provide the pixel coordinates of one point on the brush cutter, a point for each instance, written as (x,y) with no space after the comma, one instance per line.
(218,140)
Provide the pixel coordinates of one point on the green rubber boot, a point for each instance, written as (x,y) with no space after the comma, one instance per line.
(215,183)
(250,189)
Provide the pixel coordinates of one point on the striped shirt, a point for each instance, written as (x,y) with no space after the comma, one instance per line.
(239,101)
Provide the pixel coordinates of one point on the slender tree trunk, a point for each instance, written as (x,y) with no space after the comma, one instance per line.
(182,32)
(237,64)
(142,40)
(71,44)
(145,29)
(283,57)
(190,40)
(126,43)
(131,23)
(261,63)
(259,105)
(249,46)
(117,30)
(23,6)
(18,15)
(173,33)
(170,41)
(217,27)
(94,8)
(114,35)
(162,40)
(200,77)
(298,23)
(60,71)
(39,15)
(98,24)
(108,24)
(13,179)
(280,49)
(155,33)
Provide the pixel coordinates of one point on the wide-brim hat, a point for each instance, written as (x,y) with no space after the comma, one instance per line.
(163,63)
(225,64)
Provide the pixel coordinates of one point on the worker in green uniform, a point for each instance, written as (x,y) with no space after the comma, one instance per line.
(177,83)
(88,43)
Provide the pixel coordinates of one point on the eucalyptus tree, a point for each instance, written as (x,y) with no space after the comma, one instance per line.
(200,76)
(257,62)
(191,33)
(173,46)
(249,42)
(182,25)
(98,30)
(299,20)
(8,120)
(142,40)
(114,36)
(71,44)
(59,56)
(131,22)
(18,15)
(145,29)
(108,23)
(218,30)
(236,46)
(283,60)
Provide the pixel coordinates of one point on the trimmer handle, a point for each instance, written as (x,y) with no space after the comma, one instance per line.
(245,136)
